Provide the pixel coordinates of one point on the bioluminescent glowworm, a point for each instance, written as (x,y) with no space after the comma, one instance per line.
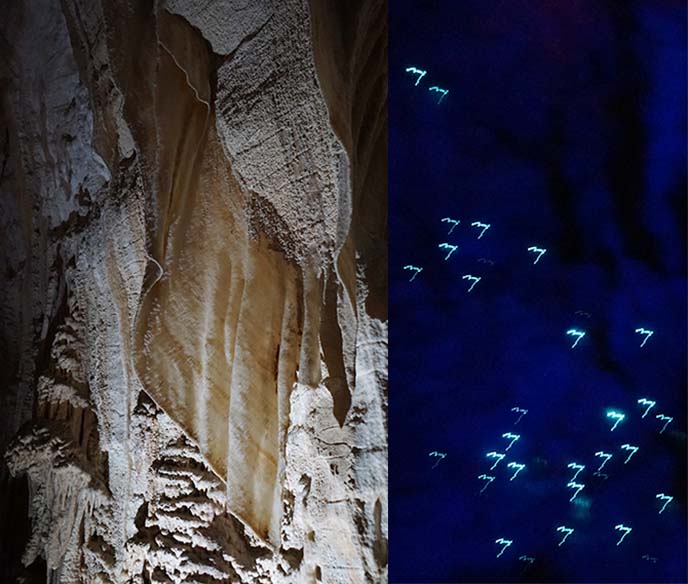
(451,248)
(444,92)
(633,450)
(667,419)
(512,437)
(646,332)
(505,542)
(566,530)
(538,250)
(577,486)
(496,455)
(415,269)
(577,467)
(519,467)
(649,558)
(623,528)
(473,279)
(454,223)
(583,313)
(526,559)
(418,72)
(483,226)
(615,416)
(441,456)
(606,457)
(575,333)
(646,402)
(664,497)
(485,261)
(519,411)
(484,477)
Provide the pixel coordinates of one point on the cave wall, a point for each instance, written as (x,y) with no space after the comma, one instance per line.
(194,291)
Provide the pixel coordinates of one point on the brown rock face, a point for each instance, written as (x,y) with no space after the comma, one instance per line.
(193,309)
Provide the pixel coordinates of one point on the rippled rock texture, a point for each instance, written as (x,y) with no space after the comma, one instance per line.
(193,310)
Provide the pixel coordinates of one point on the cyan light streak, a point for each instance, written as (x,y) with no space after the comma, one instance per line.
(505,542)
(573,485)
(526,559)
(441,456)
(454,223)
(646,332)
(664,497)
(646,402)
(615,416)
(484,477)
(633,450)
(519,467)
(496,455)
(583,313)
(538,250)
(444,92)
(474,279)
(606,457)
(451,248)
(577,467)
(575,333)
(602,475)
(623,528)
(667,419)
(563,529)
(519,411)
(650,558)
(418,72)
(485,261)
(483,226)
(512,437)
(415,269)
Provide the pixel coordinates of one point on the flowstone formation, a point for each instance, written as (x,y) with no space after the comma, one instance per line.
(193,310)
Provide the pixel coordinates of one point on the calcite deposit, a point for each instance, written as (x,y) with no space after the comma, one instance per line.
(193,319)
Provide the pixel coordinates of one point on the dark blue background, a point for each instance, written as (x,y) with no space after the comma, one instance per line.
(564,127)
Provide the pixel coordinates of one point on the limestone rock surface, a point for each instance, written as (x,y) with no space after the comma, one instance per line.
(193,313)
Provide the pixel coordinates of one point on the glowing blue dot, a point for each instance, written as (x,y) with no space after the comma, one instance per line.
(623,528)
(538,250)
(418,72)
(416,269)
(444,92)
(451,248)
(575,333)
